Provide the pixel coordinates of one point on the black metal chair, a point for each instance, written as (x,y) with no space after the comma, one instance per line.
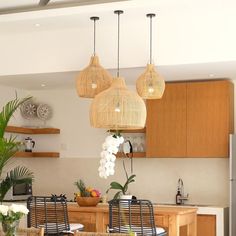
(135,216)
(50,213)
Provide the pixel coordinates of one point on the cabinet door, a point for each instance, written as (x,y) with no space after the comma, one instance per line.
(209,118)
(166,123)
(88,219)
(206,225)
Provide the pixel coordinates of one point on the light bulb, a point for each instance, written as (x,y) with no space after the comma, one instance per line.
(94,85)
(117,109)
(150,89)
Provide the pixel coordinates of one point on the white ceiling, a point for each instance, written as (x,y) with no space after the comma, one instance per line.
(14,6)
(192,40)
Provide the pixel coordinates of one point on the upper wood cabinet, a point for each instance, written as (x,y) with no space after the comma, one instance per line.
(209,118)
(166,123)
(193,119)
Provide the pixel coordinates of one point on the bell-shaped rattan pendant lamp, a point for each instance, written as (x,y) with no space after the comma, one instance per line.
(150,85)
(118,108)
(94,78)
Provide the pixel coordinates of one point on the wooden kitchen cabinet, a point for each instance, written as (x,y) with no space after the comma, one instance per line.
(209,118)
(206,226)
(166,123)
(96,219)
(193,119)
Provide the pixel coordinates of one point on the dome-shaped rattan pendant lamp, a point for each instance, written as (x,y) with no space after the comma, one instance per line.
(94,78)
(150,85)
(117,107)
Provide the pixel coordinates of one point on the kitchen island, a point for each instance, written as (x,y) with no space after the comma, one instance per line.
(96,219)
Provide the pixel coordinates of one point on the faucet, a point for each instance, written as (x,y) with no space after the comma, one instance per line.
(182,198)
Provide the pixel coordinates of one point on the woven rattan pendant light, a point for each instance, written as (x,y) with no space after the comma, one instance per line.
(150,85)
(94,78)
(117,107)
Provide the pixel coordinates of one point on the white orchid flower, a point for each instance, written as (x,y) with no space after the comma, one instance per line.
(107,162)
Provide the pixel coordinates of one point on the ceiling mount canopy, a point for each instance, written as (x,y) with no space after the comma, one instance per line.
(117,107)
(94,78)
(43,2)
(150,84)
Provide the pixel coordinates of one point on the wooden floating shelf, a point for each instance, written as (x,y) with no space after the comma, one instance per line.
(38,154)
(135,154)
(26,130)
(131,131)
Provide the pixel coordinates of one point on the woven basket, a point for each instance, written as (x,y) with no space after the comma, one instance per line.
(88,201)
(132,109)
(93,74)
(150,84)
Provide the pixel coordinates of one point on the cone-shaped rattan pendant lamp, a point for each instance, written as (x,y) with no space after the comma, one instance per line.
(118,108)
(150,85)
(94,78)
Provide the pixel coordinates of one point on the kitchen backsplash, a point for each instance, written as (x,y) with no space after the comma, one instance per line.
(206,180)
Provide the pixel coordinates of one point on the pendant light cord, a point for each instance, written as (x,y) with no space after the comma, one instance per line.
(94,18)
(150,15)
(118,12)
(150,40)
(94,37)
(118,47)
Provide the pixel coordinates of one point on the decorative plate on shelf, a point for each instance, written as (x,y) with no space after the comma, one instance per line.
(44,112)
(28,109)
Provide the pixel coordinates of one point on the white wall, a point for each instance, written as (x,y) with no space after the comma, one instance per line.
(185,32)
(80,145)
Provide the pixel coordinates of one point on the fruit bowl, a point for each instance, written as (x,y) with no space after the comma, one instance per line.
(88,201)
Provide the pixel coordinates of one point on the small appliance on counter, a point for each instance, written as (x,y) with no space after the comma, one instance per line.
(29,144)
(19,192)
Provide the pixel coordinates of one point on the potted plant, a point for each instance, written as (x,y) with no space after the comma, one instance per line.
(8,148)
(122,189)
(87,196)
(10,216)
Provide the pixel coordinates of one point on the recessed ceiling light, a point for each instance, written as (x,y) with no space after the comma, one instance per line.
(211,75)
(37,25)
(43,85)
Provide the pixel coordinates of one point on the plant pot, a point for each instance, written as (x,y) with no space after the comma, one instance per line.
(128,197)
(125,204)
(88,201)
(9,228)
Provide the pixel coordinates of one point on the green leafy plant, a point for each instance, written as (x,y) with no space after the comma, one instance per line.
(8,148)
(122,188)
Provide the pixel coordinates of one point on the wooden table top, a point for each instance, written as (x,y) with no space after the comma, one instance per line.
(164,210)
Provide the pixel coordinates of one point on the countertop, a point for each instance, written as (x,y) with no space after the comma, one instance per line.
(103,207)
(221,213)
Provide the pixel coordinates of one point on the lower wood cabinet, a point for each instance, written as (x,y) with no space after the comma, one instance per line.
(96,219)
(206,226)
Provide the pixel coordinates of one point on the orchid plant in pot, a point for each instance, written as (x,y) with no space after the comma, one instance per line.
(122,189)
(107,163)
(10,216)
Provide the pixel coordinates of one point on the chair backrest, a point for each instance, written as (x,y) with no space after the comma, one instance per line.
(135,216)
(48,212)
